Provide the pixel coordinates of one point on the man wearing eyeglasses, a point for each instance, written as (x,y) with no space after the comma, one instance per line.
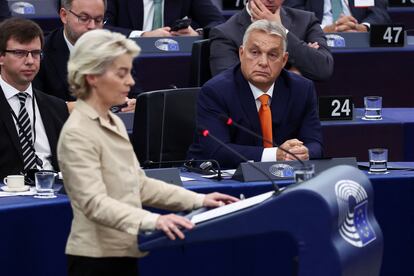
(78,17)
(30,120)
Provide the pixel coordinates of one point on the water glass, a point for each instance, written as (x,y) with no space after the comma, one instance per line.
(378,158)
(304,172)
(373,108)
(44,184)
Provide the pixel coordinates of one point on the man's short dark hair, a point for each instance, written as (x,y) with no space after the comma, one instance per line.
(20,29)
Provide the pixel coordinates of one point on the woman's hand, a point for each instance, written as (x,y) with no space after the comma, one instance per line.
(218,199)
(171,225)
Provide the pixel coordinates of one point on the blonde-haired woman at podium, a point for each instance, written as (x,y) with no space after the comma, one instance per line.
(101,173)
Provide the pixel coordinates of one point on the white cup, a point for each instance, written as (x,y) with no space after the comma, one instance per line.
(14,181)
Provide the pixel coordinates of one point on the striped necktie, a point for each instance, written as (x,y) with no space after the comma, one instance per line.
(157,21)
(336,9)
(265,116)
(25,134)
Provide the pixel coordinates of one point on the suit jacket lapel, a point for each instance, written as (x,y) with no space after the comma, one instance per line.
(60,54)
(286,20)
(7,118)
(49,125)
(244,20)
(248,103)
(136,13)
(173,8)
(280,100)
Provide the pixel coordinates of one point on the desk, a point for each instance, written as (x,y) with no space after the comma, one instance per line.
(34,232)
(354,138)
(373,71)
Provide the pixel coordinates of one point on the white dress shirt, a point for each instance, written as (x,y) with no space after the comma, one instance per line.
(327,13)
(148,18)
(269,154)
(41,144)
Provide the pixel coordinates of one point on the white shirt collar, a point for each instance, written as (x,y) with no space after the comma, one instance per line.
(257,92)
(10,91)
(70,46)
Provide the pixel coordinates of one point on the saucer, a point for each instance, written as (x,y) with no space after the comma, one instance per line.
(21,189)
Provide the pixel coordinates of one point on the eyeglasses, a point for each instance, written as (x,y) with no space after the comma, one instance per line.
(36,54)
(86,19)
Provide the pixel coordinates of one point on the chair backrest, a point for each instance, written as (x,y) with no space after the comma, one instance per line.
(164,124)
(200,63)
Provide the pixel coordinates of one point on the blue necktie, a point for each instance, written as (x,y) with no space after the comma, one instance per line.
(157,21)
(336,9)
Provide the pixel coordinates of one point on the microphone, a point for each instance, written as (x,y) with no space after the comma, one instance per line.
(230,122)
(205,167)
(206,133)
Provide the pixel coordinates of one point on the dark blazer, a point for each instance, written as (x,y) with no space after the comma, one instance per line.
(54,114)
(129,14)
(315,64)
(373,15)
(294,115)
(53,74)
(4,10)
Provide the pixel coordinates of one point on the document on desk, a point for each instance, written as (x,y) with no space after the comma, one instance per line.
(231,208)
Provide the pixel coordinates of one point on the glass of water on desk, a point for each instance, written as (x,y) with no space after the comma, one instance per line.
(44,184)
(378,158)
(373,108)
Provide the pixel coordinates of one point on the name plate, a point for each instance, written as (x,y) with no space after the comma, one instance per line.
(166,45)
(264,171)
(387,35)
(169,175)
(332,108)
(401,3)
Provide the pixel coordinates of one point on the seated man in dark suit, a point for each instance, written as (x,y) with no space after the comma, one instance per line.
(309,54)
(30,120)
(4,10)
(78,17)
(342,15)
(154,18)
(263,97)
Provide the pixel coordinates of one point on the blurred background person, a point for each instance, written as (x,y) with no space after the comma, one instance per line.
(343,15)
(102,176)
(309,54)
(156,17)
(78,17)
(30,120)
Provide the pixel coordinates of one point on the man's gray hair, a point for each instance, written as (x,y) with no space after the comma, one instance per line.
(67,4)
(269,27)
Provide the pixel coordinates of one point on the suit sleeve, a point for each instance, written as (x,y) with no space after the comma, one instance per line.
(111,16)
(206,14)
(310,132)
(209,108)
(315,64)
(377,14)
(223,52)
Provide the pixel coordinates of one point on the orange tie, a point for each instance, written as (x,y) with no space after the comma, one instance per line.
(265,116)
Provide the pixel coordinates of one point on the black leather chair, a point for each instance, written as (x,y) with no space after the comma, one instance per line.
(200,63)
(164,124)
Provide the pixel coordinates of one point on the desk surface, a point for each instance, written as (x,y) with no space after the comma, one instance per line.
(37,230)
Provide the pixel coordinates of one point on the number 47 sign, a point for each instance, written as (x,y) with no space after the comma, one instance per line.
(387,35)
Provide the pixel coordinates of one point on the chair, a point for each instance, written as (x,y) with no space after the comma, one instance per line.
(200,63)
(164,124)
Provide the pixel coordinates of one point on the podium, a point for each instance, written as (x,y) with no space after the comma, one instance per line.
(330,217)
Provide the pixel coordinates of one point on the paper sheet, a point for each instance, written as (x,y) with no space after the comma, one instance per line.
(227,209)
